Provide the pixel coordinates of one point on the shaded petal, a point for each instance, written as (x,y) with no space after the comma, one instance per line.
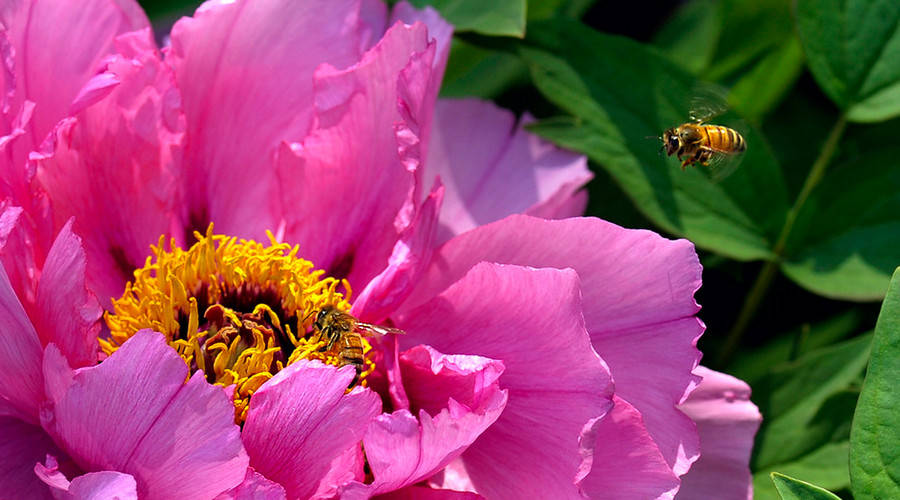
(409,259)
(67,313)
(500,170)
(21,382)
(727,422)
(531,320)
(373,14)
(458,398)
(134,413)
(639,291)
(21,253)
(71,38)
(245,70)
(353,177)
(346,467)
(626,461)
(254,487)
(114,166)
(425,493)
(22,446)
(301,420)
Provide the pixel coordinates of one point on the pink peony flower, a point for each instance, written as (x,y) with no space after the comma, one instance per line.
(542,358)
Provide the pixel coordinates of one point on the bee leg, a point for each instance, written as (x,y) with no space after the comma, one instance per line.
(332,338)
(704,155)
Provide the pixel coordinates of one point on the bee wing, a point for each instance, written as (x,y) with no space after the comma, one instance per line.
(721,165)
(370,330)
(708,101)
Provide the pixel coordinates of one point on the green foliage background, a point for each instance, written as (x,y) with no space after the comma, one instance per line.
(798,245)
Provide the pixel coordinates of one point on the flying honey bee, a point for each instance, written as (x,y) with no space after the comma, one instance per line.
(697,142)
(337,326)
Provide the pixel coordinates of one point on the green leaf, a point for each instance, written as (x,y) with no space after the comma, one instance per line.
(476,71)
(623,95)
(808,402)
(690,37)
(750,29)
(825,466)
(499,17)
(545,9)
(759,90)
(751,365)
(846,241)
(796,130)
(875,436)
(749,44)
(853,47)
(795,489)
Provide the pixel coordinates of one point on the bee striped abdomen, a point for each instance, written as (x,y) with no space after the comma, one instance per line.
(352,350)
(724,139)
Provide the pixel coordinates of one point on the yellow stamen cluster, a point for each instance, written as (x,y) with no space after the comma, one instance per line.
(233,308)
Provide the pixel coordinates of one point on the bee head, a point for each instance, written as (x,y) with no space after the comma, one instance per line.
(671,141)
(320,318)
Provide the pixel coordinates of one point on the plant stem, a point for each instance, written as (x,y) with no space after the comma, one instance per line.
(764,279)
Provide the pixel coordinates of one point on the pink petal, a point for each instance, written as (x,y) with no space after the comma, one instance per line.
(727,422)
(431,378)
(301,420)
(71,38)
(652,368)
(94,90)
(7,72)
(114,166)
(345,468)
(556,381)
(425,493)
(245,70)
(51,475)
(103,485)
(133,413)
(410,258)
(25,239)
(419,96)
(12,183)
(21,383)
(353,177)
(21,446)
(67,313)
(493,168)
(403,450)
(454,477)
(457,398)
(626,461)
(17,253)
(254,487)
(438,29)
(638,290)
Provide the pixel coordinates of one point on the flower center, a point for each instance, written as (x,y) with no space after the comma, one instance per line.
(236,309)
